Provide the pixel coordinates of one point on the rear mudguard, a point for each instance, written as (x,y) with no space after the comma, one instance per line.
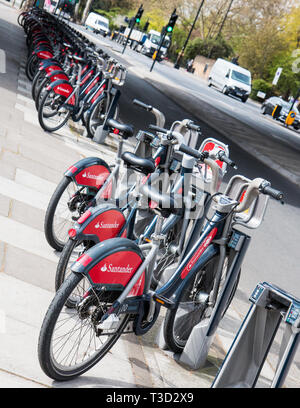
(99,223)
(56,75)
(89,172)
(64,88)
(44,54)
(49,63)
(112,264)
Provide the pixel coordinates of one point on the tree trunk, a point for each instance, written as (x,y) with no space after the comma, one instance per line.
(76,11)
(86,11)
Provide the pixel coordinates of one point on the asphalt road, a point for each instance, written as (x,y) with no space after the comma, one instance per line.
(273,255)
(248,112)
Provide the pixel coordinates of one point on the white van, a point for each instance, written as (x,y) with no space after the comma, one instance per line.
(97,23)
(151,43)
(230,79)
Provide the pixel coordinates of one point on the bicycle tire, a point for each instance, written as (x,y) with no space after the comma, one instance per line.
(31,67)
(39,92)
(90,126)
(39,77)
(64,260)
(190,319)
(46,353)
(42,116)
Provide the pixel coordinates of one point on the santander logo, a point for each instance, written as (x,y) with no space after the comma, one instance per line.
(103,225)
(59,88)
(116,269)
(198,253)
(92,176)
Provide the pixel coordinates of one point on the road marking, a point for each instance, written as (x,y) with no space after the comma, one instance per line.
(26,238)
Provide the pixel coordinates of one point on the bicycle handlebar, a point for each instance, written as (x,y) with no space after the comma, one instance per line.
(222,156)
(256,186)
(192,126)
(193,152)
(204,157)
(142,105)
(266,188)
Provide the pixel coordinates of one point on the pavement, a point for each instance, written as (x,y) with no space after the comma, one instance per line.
(31,164)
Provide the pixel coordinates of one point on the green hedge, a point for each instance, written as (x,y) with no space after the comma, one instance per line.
(212,48)
(263,86)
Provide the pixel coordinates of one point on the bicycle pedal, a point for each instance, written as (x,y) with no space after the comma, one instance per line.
(164,301)
(110,323)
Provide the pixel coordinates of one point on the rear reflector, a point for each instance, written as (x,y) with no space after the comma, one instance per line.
(84,259)
(84,217)
(72,233)
(72,169)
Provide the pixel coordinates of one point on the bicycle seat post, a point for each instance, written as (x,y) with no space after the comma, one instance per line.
(120,147)
(157,235)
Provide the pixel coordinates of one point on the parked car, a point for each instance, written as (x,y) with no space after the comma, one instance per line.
(231,79)
(268,106)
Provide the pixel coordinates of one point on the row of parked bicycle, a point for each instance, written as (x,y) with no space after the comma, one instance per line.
(71,79)
(153,230)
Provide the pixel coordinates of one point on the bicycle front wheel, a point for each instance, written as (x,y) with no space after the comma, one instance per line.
(193,307)
(69,341)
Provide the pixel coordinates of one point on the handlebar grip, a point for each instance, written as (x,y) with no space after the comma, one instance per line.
(142,105)
(222,156)
(192,126)
(190,151)
(272,192)
(158,129)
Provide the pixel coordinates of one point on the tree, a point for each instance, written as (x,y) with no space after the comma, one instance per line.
(212,48)
(86,11)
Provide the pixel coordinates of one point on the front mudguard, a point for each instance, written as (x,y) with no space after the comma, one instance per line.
(90,172)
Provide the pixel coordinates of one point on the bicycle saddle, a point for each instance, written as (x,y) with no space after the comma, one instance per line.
(126,130)
(140,164)
(166,203)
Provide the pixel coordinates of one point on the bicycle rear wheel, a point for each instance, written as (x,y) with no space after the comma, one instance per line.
(52,114)
(36,83)
(71,252)
(66,205)
(32,66)
(70,342)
